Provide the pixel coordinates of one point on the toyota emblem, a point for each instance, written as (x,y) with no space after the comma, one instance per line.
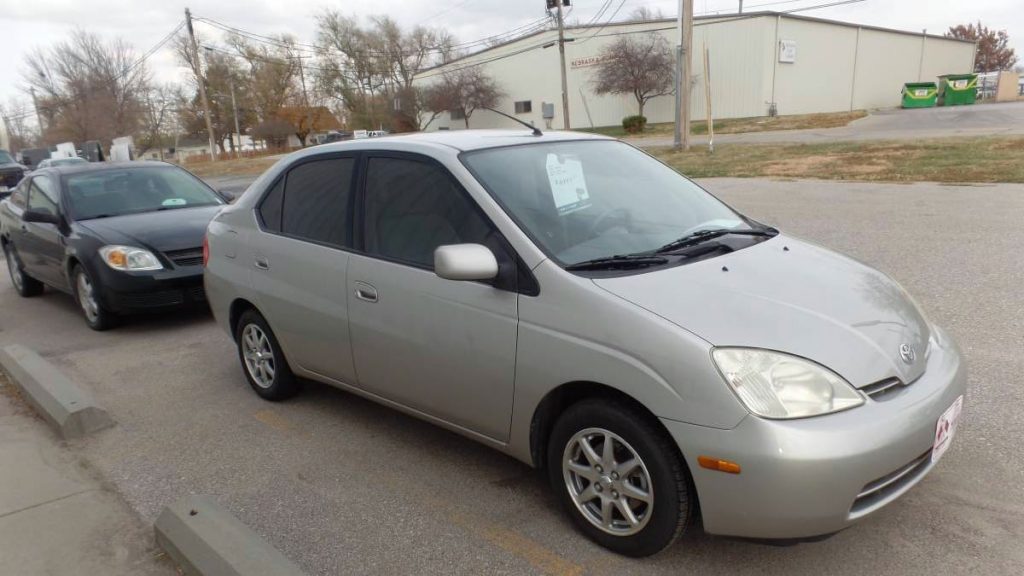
(907,353)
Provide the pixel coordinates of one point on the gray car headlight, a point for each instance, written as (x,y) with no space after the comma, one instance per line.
(129,258)
(776,385)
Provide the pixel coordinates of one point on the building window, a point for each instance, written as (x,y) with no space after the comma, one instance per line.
(524,107)
(456,114)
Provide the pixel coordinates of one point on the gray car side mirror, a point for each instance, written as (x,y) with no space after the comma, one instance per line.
(465,262)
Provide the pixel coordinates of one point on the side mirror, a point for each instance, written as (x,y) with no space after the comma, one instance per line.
(40,216)
(226,195)
(465,262)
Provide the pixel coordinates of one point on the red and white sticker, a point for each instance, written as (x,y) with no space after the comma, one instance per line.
(945,429)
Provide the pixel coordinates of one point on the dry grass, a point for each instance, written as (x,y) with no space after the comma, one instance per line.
(742,125)
(939,160)
(232,167)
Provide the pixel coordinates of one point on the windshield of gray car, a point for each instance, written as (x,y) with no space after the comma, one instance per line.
(584,200)
(118,192)
(5,158)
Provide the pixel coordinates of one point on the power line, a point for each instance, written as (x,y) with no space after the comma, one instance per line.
(603,26)
(149,53)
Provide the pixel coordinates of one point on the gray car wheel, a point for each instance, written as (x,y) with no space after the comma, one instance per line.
(88,298)
(24,284)
(262,359)
(620,476)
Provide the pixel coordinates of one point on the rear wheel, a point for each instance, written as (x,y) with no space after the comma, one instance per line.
(87,295)
(621,478)
(25,285)
(264,363)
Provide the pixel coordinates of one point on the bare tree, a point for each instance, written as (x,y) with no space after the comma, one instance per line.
(462,92)
(639,66)
(370,69)
(15,116)
(158,104)
(646,14)
(273,71)
(88,89)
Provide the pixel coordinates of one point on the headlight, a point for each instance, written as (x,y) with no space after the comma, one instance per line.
(129,258)
(776,385)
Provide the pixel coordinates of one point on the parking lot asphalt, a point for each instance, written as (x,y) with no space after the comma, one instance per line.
(344,486)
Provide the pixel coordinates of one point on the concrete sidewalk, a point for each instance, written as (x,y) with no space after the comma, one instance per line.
(56,517)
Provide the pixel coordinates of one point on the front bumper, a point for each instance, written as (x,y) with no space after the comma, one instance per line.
(134,292)
(802,478)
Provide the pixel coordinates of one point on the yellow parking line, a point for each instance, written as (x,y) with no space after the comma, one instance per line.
(538,555)
(274,420)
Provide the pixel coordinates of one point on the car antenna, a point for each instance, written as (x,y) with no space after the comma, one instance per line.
(536,131)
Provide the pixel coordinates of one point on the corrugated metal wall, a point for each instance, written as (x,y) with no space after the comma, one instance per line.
(837,67)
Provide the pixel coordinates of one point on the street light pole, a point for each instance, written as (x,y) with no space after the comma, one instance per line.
(201,81)
(682,128)
(561,55)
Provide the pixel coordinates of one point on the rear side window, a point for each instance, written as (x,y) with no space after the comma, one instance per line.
(42,196)
(270,208)
(311,202)
(18,196)
(413,207)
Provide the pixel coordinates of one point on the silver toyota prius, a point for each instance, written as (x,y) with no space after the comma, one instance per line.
(575,303)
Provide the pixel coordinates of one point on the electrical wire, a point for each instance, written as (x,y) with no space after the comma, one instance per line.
(149,53)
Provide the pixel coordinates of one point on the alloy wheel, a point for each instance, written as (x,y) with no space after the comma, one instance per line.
(259,356)
(15,270)
(87,297)
(608,482)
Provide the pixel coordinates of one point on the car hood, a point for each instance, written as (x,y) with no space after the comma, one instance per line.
(791,296)
(163,231)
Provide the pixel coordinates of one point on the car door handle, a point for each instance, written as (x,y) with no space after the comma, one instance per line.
(262,264)
(365,292)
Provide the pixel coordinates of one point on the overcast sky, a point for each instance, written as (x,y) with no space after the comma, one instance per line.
(27,24)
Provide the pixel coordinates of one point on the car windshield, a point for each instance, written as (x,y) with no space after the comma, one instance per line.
(583,200)
(134,190)
(5,158)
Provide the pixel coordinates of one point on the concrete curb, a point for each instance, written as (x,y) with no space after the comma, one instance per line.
(207,540)
(57,399)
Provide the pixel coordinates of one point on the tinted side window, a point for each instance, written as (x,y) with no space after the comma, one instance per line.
(42,196)
(414,207)
(270,207)
(316,200)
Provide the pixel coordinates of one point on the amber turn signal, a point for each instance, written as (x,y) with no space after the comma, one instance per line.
(720,465)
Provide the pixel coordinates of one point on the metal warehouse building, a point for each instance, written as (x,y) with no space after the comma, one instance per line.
(803,65)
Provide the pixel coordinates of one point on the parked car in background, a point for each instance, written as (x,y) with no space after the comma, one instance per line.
(50,162)
(120,238)
(575,303)
(11,173)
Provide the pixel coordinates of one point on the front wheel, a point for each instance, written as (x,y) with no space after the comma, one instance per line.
(87,295)
(621,478)
(25,285)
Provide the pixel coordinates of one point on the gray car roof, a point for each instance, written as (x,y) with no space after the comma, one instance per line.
(99,166)
(463,140)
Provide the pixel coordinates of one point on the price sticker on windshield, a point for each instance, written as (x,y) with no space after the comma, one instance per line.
(568,186)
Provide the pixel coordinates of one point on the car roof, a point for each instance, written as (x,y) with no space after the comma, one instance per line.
(464,140)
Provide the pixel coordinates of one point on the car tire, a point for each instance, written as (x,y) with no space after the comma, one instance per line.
(87,295)
(25,285)
(262,359)
(597,498)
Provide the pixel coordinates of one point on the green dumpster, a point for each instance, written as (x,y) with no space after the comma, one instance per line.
(919,94)
(957,89)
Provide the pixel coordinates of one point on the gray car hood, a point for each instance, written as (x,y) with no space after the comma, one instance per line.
(792,296)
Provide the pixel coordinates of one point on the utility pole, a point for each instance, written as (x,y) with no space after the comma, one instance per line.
(39,117)
(305,98)
(234,110)
(561,55)
(201,81)
(741,6)
(682,131)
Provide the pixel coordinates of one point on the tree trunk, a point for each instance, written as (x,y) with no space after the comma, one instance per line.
(641,106)
(465,118)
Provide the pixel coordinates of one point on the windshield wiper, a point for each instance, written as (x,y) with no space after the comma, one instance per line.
(618,262)
(705,235)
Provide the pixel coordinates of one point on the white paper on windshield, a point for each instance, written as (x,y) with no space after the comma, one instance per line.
(568,187)
(174,202)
